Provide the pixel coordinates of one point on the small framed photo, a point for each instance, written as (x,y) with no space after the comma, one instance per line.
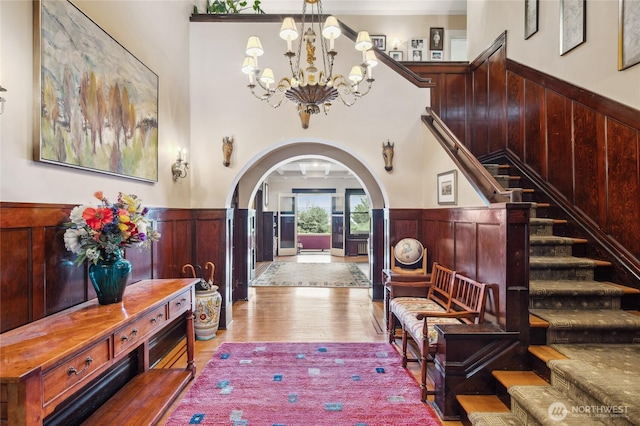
(573,24)
(396,55)
(417,50)
(379,42)
(436,38)
(628,34)
(447,187)
(530,18)
(436,55)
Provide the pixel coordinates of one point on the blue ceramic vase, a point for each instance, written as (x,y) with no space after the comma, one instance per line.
(109,277)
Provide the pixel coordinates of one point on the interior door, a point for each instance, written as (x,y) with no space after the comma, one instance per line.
(337,225)
(287,225)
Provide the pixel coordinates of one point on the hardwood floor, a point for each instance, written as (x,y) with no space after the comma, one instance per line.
(300,314)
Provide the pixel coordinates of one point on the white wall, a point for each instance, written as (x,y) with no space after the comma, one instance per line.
(203,98)
(592,65)
(141,27)
(221,105)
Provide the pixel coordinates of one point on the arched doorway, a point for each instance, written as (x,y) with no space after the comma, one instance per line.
(249,181)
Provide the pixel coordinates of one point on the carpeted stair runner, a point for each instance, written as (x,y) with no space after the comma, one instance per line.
(600,382)
(590,325)
(494,419)
(532,403)
(572,294)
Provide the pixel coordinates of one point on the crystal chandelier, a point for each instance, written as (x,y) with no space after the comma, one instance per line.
(310,86)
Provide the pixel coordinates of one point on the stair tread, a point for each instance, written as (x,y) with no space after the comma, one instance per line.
(624,288)
(537,322)
(545,353)
(554,239)
(575,287)
(546,221)
(484,403)
(494,419)
(536,400)
(565,262)
(510,378)
(582,319)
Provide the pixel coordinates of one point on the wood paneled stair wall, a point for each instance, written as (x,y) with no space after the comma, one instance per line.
(585,347)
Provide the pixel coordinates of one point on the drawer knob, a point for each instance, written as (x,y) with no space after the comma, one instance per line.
(181,301)
(134,333)
(72,370)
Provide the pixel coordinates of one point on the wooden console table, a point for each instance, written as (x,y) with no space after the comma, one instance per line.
(45,362)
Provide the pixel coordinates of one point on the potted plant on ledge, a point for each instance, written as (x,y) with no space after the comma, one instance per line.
(221,7)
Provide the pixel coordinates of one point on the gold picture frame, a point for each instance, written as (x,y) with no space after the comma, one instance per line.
(96,107)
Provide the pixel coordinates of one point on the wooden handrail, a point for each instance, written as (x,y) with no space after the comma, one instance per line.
(483,182)
(348,32)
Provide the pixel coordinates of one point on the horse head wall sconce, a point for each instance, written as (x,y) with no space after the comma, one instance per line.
(387,154)
(227,150)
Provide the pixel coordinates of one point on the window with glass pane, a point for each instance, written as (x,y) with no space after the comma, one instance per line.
(359,212)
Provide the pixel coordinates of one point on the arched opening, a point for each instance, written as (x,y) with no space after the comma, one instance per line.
(250,182)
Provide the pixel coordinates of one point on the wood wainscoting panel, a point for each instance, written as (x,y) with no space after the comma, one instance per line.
(515,115)
(623,191)
(15,291)
(589,163)
(176,245)
(560,166)
(466,243)
(497,98)
(479,110)
(534,142)
(66,282)
(39,276)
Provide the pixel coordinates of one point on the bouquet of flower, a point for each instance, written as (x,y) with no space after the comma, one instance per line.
(96,232)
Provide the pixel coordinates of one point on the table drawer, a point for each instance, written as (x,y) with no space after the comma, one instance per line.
(180,303)
(78,369)
(135,332)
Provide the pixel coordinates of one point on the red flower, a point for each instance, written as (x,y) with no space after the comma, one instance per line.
(97,218)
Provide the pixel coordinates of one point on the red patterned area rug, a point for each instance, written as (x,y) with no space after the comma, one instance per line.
(310,384)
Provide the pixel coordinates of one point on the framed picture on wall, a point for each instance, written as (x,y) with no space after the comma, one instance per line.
(396,55)
(417,49)
(573,24)
(447,187)
(98,103)
(628,34)
(379,42)
(436,55)
(436,38)
(530,18)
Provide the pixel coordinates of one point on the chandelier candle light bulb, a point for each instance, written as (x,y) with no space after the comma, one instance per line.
(331,31)
(310,86)
(288,32)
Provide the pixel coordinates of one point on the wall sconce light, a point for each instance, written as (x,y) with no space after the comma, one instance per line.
(2,100)
(180,167)
(395,43)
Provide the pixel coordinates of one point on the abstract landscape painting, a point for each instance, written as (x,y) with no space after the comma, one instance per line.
(98,106)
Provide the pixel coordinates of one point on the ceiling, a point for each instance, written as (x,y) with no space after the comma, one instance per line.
(310,168)
(373,7)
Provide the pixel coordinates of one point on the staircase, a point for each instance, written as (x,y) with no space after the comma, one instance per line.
(585,349)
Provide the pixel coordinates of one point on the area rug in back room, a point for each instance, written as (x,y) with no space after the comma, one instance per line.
(290,274)
(310,384)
